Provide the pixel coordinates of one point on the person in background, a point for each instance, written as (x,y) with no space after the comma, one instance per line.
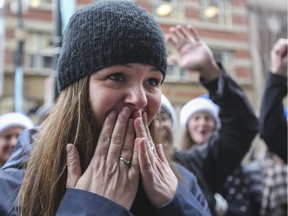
(273,122)
(97,153)
(204,106)
(200,119)
(259,187)
(273,130)
(167,124)
(11,125)
(42,113)
(222,153)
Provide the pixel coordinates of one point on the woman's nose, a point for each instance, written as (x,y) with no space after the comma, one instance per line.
(202,121)
(136,97)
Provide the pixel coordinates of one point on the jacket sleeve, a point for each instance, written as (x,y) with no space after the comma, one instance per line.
(10,182)
(83,203)
(186,202)
(273,124)
(234,138)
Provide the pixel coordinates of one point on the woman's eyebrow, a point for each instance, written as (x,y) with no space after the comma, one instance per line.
(126,65)
(155,69)
(152,69)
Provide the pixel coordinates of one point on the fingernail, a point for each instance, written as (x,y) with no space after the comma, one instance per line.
(126,112)
(69,148)
(112,114)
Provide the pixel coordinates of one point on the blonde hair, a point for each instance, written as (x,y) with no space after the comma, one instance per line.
(187,141)
(70,121)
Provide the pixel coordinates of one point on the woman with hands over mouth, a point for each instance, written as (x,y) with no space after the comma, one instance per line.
(97,152)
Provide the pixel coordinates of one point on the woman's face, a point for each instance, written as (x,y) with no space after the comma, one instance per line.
(8,140)
(165,124)
(136,86)
(201,126)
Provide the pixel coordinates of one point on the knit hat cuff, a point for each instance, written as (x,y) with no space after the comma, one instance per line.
(165,103)
(197,105)
(14,119)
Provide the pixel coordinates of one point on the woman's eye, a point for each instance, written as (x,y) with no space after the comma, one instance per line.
(153,82)
(116,77)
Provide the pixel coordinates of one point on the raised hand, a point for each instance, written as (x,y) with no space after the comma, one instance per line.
(114,169)
(279,57)
(194,54)
(159,181)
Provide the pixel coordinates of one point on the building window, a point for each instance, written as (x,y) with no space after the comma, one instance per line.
(40,50)
(40,3)
(173,70)
(170,9)
(227,59)
(216,12)
(176,74)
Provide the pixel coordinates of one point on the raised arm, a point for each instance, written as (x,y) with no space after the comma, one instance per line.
(223,153)
(273,123)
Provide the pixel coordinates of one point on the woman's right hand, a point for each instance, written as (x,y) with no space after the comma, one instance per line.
(106,174)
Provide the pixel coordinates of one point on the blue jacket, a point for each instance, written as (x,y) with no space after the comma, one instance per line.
(188,201)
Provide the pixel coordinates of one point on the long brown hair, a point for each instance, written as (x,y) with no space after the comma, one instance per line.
(70,121)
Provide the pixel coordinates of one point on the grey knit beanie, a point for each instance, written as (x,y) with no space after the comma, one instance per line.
(107,33)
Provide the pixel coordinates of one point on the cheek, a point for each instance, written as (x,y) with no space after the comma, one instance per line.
(191,125)
(154,103)
(168,125)
(3,144)
(212,126)
(101,104)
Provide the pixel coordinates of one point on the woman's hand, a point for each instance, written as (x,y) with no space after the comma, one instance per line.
(194,53)
(159,181)
(114,169)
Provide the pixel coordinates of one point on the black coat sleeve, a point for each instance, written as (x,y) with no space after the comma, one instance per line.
(273,123)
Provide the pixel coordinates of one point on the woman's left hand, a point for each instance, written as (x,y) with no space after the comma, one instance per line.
(159,180)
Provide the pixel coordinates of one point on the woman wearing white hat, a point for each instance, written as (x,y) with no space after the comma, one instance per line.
(11,125)
(200,118)
(167,123)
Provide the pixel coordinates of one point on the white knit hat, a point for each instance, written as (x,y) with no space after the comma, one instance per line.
(202,103)
(165,103)
(14,119)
